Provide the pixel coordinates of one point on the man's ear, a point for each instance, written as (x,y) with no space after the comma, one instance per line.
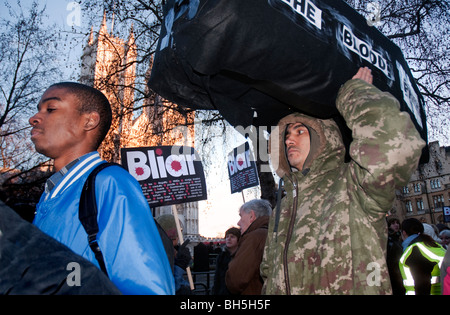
(252,215)
(92,121)
(404,235)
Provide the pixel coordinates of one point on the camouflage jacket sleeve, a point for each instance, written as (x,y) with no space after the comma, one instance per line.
(386,146)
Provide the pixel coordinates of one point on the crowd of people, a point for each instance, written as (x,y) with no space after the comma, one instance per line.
(412,269)
(416,257)
(331,225)
(327,235)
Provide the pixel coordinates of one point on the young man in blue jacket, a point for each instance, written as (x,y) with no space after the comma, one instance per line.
(72,121)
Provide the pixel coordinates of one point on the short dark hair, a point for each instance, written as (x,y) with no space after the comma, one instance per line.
(235,231)
(413,226)
(91,100)
(392,220)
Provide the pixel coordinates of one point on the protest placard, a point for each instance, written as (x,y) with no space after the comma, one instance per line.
(168,175)
(242,169)
(447,214)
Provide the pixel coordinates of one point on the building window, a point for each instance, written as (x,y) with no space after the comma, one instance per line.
(438,201)
(435,183)
(419,203)
(408,205)
(405,190)
(417,187)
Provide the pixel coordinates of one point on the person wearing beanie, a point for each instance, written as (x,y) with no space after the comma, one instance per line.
(432,231)
(181,253)
(232,236)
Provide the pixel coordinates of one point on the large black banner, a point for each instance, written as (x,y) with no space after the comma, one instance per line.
(168,175)
(274,57)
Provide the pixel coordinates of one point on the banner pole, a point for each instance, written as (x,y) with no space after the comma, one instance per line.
(180,237)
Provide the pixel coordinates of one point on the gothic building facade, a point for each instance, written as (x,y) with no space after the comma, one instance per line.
(427,195)
(108,63)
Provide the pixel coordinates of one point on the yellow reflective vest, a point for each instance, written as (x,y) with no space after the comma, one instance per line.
(433,254)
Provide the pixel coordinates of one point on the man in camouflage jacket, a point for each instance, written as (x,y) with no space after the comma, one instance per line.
(330,236)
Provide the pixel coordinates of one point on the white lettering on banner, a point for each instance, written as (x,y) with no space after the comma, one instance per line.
(190,7)
(409,95)
(364,50)
(143,166)
(241,162)
(308,10)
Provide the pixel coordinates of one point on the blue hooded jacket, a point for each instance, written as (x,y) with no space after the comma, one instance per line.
(134,255)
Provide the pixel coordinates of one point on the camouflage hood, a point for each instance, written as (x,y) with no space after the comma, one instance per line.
(327,148)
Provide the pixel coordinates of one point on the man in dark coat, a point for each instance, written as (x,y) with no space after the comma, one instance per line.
(243,275)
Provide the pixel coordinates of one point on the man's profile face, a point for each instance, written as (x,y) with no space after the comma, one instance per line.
(58,125)
(298,144)
(246,220)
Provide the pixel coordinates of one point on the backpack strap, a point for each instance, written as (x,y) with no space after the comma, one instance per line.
(87,213)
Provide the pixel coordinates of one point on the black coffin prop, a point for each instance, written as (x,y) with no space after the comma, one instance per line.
(273,57)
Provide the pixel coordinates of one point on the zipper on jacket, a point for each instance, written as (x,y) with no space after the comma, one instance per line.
(278,209)
(289,235)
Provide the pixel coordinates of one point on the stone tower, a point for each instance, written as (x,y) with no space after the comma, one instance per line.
(108,63)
